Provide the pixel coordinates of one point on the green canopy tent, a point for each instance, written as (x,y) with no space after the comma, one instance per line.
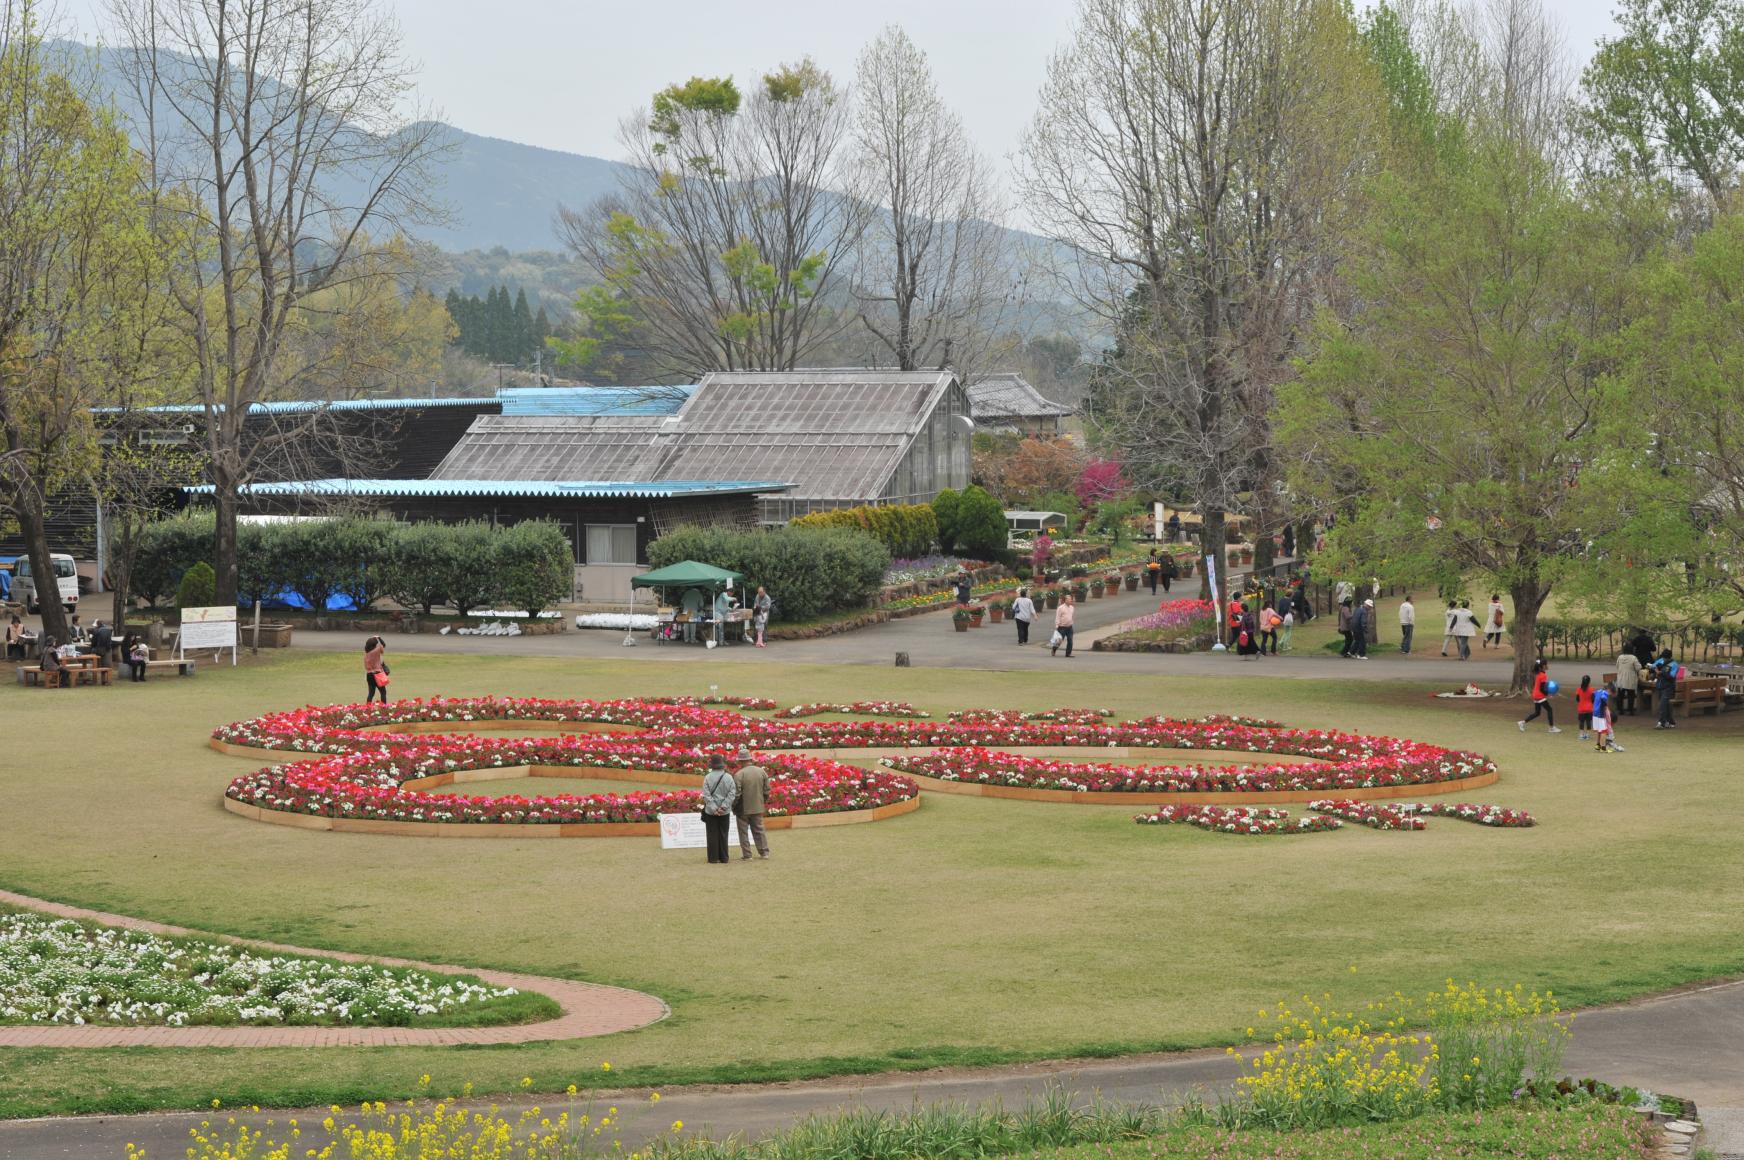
(684,574)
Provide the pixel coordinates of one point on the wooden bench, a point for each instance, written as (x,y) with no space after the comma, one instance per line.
(78,674)
(184,667)
(1701,693)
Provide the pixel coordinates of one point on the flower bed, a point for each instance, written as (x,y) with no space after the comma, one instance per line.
(1483,815)
(1342,760)
(869,708)
(54,970)
(1183,625)
(366,771)
(1238,820)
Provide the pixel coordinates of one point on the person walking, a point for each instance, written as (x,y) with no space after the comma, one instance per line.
(1346,622)
(1169,570)
(1362,627)
(1288,623)
(1493,621)
(752,782)
(1023,614)
(1289,541)
(760,608)
(375,669)
(965,587)
(1664,689)
(1540,698)
(719,791)
(1448,618)
(1628,682)
(1465,626)
(1153,572)
(1269,622)
(1407,623)
(1247,635)
(1064,616)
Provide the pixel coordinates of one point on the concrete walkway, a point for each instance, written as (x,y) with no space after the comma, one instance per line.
(1689,1043)
(588,1009)
(931,642)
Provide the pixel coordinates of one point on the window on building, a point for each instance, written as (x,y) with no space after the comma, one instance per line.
(611,543)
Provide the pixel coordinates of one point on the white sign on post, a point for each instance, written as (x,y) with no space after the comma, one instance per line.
(1217,608)
(213,628)
(682,831)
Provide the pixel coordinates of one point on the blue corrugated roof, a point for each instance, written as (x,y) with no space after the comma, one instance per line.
(593,400)
(296,406)
(515,488)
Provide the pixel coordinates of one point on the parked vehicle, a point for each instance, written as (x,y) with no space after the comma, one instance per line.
(66,577)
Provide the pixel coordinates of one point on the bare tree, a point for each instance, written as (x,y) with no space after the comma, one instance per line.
(281,124)
(1200,162)
(719,249)
(932,274)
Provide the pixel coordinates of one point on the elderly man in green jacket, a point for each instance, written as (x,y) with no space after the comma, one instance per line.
(752,805)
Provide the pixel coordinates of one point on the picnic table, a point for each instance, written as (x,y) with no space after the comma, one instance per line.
(80,669)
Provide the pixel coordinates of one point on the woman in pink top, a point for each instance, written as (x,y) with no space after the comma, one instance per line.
(1063,617)
(375,667)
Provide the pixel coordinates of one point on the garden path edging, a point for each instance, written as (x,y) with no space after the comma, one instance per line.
(589,1009)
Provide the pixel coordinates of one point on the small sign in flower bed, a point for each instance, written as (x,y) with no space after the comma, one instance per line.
(57,971)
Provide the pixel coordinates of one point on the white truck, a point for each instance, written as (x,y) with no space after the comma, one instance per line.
(66,576)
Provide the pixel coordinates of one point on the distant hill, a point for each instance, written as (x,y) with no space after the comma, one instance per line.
(499,193)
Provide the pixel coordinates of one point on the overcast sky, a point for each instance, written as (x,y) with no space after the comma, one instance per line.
(561,73)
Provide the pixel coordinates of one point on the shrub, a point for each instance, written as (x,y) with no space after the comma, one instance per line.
(417,566)
(980,529)
(263,568)
(167,549)
(313,563)
(366,546)
(944,507)
(198,588)
(907,530)
(469,574)
(809,571)
(535,565)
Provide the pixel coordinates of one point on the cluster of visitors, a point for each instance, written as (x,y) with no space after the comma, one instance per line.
(1461,625)
(1160,570)
(1597,707)
(742,795)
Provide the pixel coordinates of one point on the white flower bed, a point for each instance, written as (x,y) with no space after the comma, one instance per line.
(57,971)
(638,621)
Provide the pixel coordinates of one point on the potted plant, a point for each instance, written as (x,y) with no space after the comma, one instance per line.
(1080,591)
(1096,588)
(1247,553)
(960,619)
(1051,597)
(996,610)
(1132,581)
(976,612)
(1112,583)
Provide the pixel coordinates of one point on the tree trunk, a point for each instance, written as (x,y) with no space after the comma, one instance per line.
(1211,544)
(224,542)
(1529,596)
(121,550)
(35,535)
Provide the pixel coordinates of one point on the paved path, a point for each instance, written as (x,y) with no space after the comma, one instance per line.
(588,1009)
(930,641)
(1690,1043)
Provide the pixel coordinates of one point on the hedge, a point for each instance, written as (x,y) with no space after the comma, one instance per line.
(527,566)
(809,571)
(908,530)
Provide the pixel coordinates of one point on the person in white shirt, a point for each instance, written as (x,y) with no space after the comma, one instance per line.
(1023,614)
(1465,626)
(1628,683)
(1407,624)
(1493,622)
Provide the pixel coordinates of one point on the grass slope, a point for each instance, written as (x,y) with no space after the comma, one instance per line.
(969,932)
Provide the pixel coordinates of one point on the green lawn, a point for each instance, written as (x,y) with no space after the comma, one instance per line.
(971,931)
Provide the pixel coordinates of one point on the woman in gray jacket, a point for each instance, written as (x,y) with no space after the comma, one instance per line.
(719,791)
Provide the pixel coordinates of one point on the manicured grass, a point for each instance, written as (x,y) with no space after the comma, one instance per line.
(970,932)
(1589,1131)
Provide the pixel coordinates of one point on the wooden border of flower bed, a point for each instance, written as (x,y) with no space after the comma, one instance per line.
(543,829)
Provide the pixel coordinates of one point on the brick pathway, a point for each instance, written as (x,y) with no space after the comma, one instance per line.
(588,1009)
